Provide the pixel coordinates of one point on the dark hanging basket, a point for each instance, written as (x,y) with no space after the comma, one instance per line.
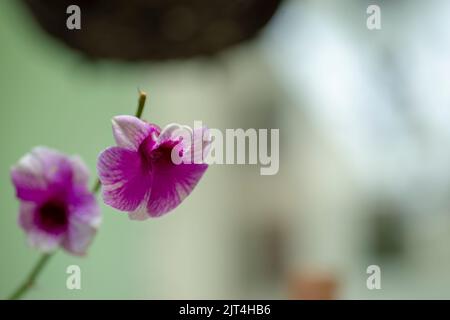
(154,29)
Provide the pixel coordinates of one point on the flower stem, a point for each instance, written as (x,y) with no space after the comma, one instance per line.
(139,111)
(30,280)
(97,186)
(141,103)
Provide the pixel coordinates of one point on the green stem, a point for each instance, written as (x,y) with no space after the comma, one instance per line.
(30,280)
(97,186)
(141,104)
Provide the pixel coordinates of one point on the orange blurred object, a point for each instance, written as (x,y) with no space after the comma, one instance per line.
(313,285)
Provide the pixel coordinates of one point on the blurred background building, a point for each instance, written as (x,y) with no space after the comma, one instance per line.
(364,119)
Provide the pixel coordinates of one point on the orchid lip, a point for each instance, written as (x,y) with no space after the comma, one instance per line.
(53,216)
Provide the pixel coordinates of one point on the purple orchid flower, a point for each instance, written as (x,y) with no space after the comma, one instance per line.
(56,207)
(139,176)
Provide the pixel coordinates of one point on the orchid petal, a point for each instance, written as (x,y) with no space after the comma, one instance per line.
(38,172)
(171,184)
(129,131)
(124,178)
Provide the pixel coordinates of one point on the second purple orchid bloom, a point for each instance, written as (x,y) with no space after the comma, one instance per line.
(138,175)
(56,206)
